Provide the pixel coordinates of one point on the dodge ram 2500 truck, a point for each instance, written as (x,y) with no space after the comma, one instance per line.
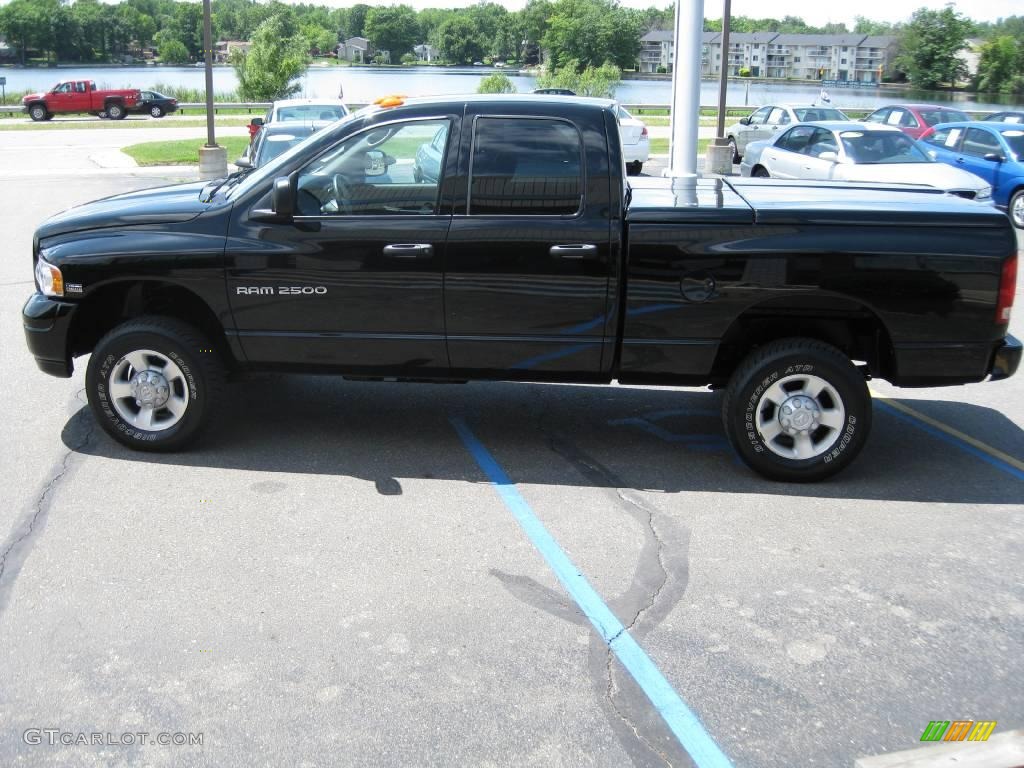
(527,257)
(80,96)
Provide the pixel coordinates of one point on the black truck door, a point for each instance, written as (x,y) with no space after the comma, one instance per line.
(355,281)
(528,261)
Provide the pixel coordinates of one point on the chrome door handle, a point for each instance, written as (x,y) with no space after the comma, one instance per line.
(409,250)
(574,251)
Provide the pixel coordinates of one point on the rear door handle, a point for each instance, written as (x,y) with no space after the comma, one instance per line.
(574,251)
(409,250)
(960,161)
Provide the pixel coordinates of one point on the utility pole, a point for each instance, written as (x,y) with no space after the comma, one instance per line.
(719,155)
(686,68)
(213,160)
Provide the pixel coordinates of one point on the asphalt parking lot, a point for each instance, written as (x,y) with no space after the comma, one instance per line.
(350,573)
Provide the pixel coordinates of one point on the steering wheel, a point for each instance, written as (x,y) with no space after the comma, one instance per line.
(342,194)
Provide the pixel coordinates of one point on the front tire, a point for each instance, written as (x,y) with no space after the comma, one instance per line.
(736,156)
(797,410)
(760,172)
(633,169)
(153,383)
(1016,209)
(38,112)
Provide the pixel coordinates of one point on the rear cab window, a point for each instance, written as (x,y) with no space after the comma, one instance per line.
(525,166)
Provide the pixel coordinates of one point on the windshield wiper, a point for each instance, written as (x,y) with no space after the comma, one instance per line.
(230,179)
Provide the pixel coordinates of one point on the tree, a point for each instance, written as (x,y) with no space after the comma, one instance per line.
(458,41)
(392,29)
(496,83)
(173,52)
(591,81)
(1001,66)
(319,39)
(591,32)
(266,71)
(931,42)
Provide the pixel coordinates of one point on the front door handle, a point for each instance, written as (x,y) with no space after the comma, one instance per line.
(409,250)
(574,251)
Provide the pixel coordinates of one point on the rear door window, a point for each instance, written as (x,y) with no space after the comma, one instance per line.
(526,166)
(979,142)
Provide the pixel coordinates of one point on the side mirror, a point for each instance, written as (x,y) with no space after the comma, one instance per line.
(243,162)
(829,157)
(283,198)
(995,157)
(257,121)
(744,121)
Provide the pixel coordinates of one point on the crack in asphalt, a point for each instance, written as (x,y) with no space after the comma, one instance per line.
(19,543)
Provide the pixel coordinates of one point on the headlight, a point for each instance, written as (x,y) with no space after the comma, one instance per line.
(985,193)
(49,279)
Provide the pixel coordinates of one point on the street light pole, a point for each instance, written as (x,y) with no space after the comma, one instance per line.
(211,140)
(213,159)
(723,76)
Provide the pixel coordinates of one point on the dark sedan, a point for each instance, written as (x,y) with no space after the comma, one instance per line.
(154,104)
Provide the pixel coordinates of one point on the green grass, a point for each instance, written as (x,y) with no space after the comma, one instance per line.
(185,152)
(660,146)
(97,124)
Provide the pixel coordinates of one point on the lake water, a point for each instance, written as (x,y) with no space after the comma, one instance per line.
(364,84)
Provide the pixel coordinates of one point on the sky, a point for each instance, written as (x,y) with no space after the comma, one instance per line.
(815,13)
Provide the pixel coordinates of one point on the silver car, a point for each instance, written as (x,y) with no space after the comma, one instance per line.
(857,152)
(767,121)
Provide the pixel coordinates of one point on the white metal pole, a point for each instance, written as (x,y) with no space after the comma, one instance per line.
(686,89)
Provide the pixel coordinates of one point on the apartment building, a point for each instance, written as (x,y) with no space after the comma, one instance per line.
(854,58)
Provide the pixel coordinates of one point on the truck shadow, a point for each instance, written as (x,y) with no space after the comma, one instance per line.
(660,440)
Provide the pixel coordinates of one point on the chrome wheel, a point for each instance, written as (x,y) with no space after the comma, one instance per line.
(1017,209)
(148,390)
(800,417)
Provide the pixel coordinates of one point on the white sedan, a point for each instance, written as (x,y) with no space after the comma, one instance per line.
(636,144)
(849,151)
(767,122)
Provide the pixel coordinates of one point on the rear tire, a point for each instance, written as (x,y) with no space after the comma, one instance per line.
(633,169)
(115,111)
(760,172)
(154,383)
(797,410)
(38,113)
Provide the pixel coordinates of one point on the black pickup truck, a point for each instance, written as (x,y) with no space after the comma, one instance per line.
(498,238)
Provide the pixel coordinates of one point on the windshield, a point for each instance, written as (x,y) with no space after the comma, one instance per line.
(937,116)
(270,169)
(809,114)
(310,112)
(1016,141)
(277,145)
(876,147)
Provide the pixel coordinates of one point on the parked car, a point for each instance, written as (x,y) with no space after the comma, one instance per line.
(765,122)
(852,151)
(993,151)
(554,91)
(915,119)
(528,260)
(77,97)
(636,144)
(1004,117)
(275,139)
(300,110)
(426,165)
(154,104)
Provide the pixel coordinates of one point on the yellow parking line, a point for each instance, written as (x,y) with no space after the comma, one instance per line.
(972,441)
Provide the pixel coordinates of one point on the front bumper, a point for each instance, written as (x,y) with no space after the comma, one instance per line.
(1006,359)
(47,322)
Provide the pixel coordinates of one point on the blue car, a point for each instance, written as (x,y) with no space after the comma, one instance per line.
(993,151)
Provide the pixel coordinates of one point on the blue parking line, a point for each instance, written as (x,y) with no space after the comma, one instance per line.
(684,724)
(951,440)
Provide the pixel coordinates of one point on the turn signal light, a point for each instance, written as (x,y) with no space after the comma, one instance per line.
(1007,287)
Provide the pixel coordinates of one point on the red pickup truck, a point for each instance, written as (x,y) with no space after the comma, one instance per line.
(78,96)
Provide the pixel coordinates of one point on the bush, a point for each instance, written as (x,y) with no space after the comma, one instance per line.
(744,71)
(592,81)
(408,58)
(193,95)
(496,83)
(662,70)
